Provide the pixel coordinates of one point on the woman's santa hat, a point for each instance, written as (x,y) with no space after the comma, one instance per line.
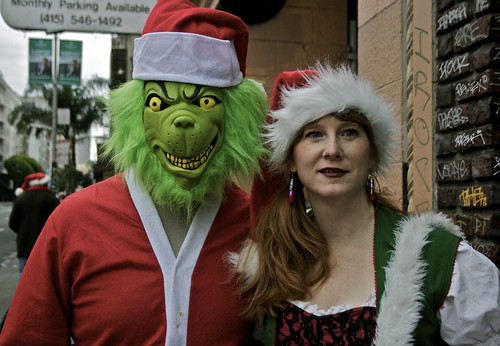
(181,42)
(33,179)
(301,97)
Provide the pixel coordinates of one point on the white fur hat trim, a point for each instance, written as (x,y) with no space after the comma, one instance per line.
(42,181)
(186,58)
(32,179)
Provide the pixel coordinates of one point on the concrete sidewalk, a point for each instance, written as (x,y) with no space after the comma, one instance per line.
(8,283)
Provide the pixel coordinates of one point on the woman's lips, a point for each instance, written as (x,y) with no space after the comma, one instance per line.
(333,172)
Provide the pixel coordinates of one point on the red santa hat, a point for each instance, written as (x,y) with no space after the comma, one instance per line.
(302,97)
(181,42)
(288,80)
(33,179)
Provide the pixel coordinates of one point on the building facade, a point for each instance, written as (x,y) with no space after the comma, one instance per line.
(10,142)
(435,61)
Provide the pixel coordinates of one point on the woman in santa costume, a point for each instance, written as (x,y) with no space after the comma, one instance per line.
(139,259)
(333,260)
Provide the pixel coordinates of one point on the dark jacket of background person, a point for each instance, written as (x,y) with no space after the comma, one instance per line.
(29,214)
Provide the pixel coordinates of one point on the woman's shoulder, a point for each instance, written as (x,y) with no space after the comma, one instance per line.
(428,222)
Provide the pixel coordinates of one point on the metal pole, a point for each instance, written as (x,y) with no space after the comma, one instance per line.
(55,69)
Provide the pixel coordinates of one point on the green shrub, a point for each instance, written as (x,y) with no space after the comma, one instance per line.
(19,166)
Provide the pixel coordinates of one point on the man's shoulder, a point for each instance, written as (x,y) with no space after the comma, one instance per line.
(111,190)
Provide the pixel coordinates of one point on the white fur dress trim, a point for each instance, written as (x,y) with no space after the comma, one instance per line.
(401,301)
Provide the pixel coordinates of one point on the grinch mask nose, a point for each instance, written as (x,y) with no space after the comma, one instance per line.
(184,121)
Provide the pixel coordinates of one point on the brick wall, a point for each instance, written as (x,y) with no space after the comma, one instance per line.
(467,114)
(302,32)
(380,35)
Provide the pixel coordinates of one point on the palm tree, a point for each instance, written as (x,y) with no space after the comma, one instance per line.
(85,104)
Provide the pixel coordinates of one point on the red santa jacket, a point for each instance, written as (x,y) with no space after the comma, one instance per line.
(103,273)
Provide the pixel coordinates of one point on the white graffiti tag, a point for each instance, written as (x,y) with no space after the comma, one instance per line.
(472,87)
(451,118)
(453,66)
(496,167)
(454,170)
(468,34)
(482,5)
(464,139)
(452,17)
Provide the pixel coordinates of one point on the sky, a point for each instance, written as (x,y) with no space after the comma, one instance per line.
(14,54)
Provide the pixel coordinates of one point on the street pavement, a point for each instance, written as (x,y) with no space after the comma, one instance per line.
(8,260)
(8,282)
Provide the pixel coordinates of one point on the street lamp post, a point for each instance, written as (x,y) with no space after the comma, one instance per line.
(53,166)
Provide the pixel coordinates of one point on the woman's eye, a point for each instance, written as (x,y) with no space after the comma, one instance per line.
(155,103)
(350,133)
(207,102)
(312,134)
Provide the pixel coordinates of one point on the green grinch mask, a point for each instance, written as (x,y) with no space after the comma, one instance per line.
(184,126)
(134,138)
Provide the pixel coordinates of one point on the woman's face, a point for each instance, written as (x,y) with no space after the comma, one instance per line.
(332,158)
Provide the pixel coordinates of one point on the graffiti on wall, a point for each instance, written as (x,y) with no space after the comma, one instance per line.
(453,16)
(482,5)
(453,66)
(466,139)
(496,165)
(454,170)
(468,34)
(473,197)
(420,169)
(451,118)
(472,87)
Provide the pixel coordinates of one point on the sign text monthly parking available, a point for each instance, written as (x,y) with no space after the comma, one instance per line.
(102,16)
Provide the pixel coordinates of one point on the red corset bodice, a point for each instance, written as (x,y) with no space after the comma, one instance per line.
(295,326)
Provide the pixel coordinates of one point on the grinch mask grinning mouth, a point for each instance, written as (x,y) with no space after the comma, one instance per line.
(191,163)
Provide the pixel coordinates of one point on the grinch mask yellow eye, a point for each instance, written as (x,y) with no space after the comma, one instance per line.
(155,103)
(208,102)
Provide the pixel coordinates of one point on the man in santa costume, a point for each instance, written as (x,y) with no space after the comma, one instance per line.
(139,259)
(31,209)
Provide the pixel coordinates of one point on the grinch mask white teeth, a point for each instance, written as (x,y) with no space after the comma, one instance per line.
(190,163)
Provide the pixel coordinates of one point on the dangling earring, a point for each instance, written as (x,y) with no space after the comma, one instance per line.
(291,193)
(371,185)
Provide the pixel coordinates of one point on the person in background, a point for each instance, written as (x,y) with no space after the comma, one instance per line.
(333,260)
(31,209)
(46,67)
(74,70)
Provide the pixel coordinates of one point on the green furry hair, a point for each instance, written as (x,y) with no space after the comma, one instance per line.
(245,109)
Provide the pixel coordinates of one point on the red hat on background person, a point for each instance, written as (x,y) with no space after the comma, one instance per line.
(33,180)
(184,43)
(288,80)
